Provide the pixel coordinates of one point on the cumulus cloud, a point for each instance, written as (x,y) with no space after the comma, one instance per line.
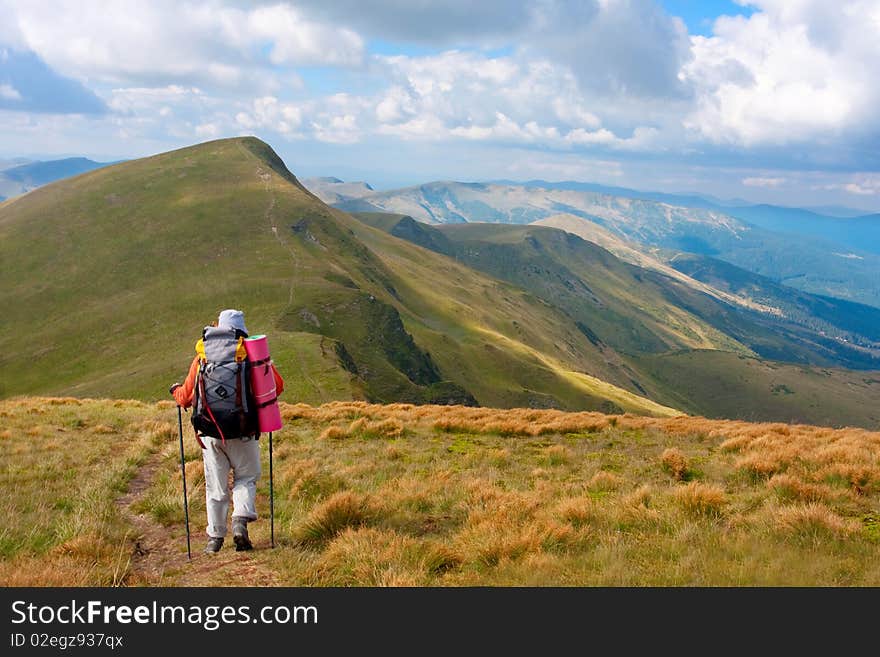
(269,112)
(794,71)
(477,97)
(165,41)
(614,47)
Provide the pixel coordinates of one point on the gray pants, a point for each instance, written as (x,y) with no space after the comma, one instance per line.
(243,456)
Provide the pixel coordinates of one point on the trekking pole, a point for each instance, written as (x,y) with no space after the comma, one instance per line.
(271,494)
(183,476)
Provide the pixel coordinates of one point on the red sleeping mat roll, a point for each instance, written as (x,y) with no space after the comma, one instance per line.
(263,383)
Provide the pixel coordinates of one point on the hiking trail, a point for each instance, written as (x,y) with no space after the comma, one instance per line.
(269,218)
(158,557)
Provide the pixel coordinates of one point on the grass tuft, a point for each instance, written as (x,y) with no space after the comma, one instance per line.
(675,463)
(701,499)
(340,511)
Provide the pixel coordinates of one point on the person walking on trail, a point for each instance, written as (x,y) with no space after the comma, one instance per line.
(224,417)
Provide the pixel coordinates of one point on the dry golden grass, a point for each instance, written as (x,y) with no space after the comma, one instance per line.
(59,483)
(675,463)
(604,481)
(814,520)
(701,499)
(402,495)
(340,511)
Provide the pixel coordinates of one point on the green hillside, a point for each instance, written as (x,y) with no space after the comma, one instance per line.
(716,384)
(109,277)
(651,320)
(637,310)
(855,322)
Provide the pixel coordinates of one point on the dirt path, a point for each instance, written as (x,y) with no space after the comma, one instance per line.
(159,555)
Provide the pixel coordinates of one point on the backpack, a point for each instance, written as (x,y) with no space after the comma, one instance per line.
(223,403)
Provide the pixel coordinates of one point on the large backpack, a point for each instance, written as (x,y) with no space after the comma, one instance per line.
(223,404)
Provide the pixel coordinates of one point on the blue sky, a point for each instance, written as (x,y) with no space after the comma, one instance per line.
(700,15)
(769,100)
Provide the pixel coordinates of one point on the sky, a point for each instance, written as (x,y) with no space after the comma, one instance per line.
(767,100)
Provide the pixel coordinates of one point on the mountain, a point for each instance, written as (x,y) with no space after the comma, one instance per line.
(26,176)
(848,322)
(644,315)
(13,162)
(860,233)
(637,310)
(333,190)
(687,200)
(642,256)
(839,211)
(805,262)
(843,322)
(845,226)
(110,276)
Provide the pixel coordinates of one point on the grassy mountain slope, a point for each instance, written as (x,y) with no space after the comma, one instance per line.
(846,333)
(641,256)
(717,384)
(633,309)
(853,322)
(504,344)
(637,312)
(127,263)
(109,278)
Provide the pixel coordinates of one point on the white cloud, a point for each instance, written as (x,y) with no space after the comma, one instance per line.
(856,188)
(9,92)
(296,40)
(269,112)
(794,71)
(758,181)
(561,166)
(794,83)
(168,42)
(615,48)
(340,129)
(506,99)
(864,184)
(208,130)
(131,100)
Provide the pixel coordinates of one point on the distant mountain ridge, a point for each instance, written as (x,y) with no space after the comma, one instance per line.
(333,190)
(814,263)
(24,177)
(859,230)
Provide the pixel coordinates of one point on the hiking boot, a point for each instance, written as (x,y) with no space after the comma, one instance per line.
(240,535)
(214,545)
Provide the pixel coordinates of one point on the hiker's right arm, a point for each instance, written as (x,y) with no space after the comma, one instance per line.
(184,394)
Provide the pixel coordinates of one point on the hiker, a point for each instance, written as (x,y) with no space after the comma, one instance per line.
(232,440)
